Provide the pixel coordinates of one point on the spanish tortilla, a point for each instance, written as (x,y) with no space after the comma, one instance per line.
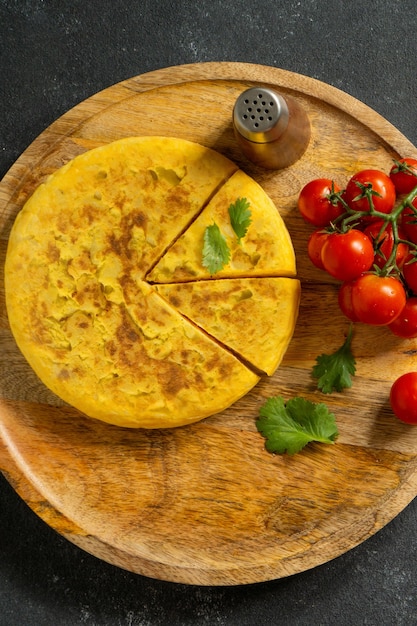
(92,327)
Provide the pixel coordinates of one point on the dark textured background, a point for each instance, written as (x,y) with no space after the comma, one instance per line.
(54,54)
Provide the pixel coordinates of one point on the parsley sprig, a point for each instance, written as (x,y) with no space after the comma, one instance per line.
(240,217)
(216,252)
(289,427)
(334,371)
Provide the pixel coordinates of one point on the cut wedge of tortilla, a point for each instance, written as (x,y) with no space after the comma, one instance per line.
(254,317)
(265,250)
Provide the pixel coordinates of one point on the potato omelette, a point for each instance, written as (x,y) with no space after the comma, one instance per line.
(94,284)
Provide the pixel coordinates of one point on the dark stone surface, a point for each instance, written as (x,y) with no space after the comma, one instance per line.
(53,55)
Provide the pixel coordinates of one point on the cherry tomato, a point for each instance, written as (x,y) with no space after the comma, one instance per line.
(405,325)
(383,196)
(346,255)
(410,272)
(314,247)
(409,222)
(317,203)
(383,243)
(344,298)
(403,398)
(404,180)
(377,300)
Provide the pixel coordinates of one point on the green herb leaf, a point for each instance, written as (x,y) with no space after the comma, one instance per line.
(216,253)
(291,426)
(240,217)
(334,371)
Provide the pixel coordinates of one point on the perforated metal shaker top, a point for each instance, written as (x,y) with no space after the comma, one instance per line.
(260,115)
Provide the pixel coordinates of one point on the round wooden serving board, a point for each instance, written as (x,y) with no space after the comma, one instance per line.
(207,504)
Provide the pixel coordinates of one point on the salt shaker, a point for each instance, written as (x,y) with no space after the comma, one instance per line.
(272,131)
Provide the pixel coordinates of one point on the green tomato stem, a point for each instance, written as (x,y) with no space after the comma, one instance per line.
(347,220)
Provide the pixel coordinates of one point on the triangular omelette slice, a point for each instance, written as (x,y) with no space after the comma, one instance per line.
(131,197)
(265,250)
(254,317)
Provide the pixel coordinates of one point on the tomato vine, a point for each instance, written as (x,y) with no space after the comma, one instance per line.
(366,237)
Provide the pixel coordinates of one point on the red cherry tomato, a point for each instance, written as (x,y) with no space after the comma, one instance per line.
(346,255)
(314,247)
(403,398)
(404,175)
(317,203)
(344,298)
(383,243)
(405,325)
(409,222)
(382,188)
(409,271)
(377,300)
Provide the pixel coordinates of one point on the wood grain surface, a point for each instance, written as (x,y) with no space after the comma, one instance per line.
(206,504)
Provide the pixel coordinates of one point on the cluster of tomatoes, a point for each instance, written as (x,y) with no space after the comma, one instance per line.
(366,237)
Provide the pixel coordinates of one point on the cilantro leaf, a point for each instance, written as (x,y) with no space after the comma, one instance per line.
(334,371)
(216,253)
(240,217)
(291,426)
